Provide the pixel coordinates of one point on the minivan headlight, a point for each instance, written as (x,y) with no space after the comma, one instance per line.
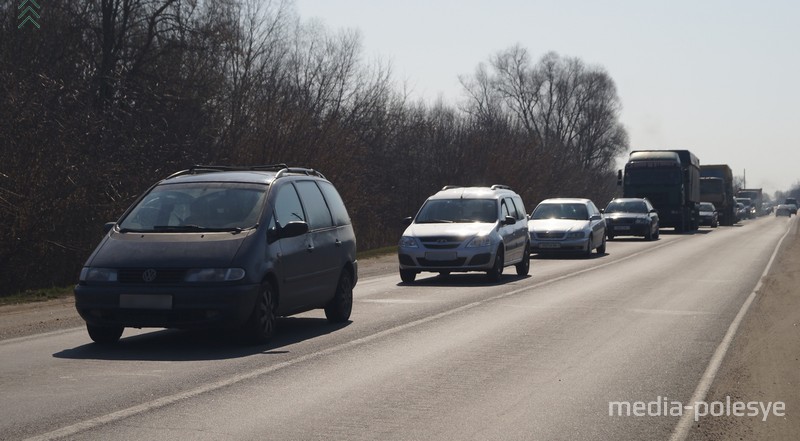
(576,235)
(89,274)
(480,241)
(408,242)
(214,275)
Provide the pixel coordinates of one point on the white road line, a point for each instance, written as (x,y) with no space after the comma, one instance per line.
(91,423)
(681,431)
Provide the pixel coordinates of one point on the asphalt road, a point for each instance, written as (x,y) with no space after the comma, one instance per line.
(538,357)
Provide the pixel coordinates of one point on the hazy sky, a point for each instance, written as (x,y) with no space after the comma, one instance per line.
(720,78)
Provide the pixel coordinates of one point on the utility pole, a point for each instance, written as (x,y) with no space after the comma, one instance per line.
(744,179)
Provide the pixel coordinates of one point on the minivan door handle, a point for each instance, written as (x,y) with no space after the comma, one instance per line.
(309,248)
(338,243)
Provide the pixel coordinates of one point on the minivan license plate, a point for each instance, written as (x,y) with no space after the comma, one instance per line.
(144,301)
(441,256)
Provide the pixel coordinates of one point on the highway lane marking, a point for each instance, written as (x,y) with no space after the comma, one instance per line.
(9,341)
(681,431)
(158,403)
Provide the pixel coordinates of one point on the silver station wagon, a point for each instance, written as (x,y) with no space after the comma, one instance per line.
(463,229)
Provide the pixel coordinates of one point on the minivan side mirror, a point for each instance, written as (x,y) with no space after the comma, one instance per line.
(108,226)
(509,220)
(407,220)
(293,229)
(596,217)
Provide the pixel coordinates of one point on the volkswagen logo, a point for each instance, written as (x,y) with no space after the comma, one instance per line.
(149,275)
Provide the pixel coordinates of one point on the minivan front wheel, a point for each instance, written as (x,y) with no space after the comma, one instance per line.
(497,269)
(408,276)
(339,308)
(261,324)
(104,334)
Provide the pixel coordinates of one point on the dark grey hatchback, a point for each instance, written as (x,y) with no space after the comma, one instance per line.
(222,246)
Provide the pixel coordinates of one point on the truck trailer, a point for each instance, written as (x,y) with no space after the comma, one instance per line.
(716,186)
(670,179)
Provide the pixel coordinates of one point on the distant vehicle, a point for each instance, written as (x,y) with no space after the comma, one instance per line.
(756,199)
(222,247)
(791,202)
(718,191)
(631,217)
(567,225)
(785,210)
(670,180)
(749,211)
(463,229)
(708,214)
(741,211)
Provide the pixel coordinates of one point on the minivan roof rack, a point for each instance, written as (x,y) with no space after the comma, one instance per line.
(500,187)
(281,169)
(448,187)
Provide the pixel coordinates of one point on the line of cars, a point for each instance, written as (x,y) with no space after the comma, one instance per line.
(462,229)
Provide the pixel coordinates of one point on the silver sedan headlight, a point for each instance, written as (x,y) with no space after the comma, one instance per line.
(576,235)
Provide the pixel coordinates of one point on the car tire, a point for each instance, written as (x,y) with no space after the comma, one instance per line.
(589,248)
(657,233)
(609,237)
(497,269)
(524,266)
(104,335)
(341,305)
(602,248)
(648,235)
(408,276)
(261,325)
(714,224)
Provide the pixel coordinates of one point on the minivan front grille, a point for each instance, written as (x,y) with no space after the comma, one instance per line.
(151,275)
(441,242)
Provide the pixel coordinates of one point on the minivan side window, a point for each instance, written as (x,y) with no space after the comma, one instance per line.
(287,206)
(318,214)
(521,214)
(335,203)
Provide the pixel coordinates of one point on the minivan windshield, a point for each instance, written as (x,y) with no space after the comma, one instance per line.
(560,211)
(197,206)
(458,211)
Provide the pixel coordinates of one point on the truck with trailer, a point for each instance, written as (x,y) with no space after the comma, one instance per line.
(755,195)
(670,180)
(716,186)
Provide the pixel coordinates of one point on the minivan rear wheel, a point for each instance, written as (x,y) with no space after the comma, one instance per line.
(341,305)
(104,334)
(524,267)
(261,324)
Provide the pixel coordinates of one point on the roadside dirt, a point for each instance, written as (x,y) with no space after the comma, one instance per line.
(763,363)
(53,315)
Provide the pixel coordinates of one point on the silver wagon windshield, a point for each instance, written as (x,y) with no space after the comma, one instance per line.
(202,206)
(458,211)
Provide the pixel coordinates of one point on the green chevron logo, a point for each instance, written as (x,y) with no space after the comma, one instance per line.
(28,14)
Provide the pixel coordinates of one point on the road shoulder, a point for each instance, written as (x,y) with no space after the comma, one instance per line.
(763,363)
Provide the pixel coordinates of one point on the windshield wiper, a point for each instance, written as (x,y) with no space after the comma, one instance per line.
(193,227)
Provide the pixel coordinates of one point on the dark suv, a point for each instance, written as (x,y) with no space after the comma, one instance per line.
(222,246)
